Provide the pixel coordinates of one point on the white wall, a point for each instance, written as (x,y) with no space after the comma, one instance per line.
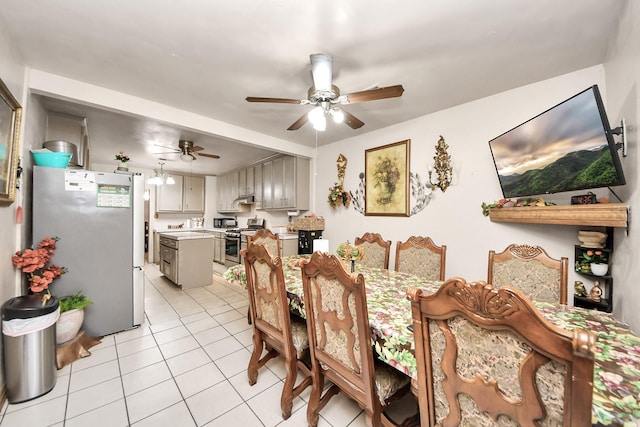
(12,74)
(623,100)
(454,218)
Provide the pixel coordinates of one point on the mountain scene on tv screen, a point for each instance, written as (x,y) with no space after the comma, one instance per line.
(576,170)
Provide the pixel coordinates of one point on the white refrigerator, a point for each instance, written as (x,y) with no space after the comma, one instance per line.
(99,218)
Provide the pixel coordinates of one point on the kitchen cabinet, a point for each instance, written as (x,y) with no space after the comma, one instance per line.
(285,183)
(228,192)
(267,191)
(289,247)
(186,195)
(218,247)
(257,186)
(193,194)
(185,258)
(246,182)
(169,197)
(221,195)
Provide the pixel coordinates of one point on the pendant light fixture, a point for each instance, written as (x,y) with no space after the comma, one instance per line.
(161,177)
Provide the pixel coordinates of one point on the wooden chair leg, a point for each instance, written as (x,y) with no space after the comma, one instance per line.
(286,401)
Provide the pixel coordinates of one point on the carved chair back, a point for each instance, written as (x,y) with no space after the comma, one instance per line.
(376,250)
(531,270)
(421,257)
(339,336)
(273,327)
(266,237)
(267,295)
(486,354)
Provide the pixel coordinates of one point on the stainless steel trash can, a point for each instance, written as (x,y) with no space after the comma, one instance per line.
(29,346)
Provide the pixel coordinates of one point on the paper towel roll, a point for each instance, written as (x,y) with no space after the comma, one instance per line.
(321,245)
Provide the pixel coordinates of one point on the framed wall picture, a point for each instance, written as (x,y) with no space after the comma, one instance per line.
(10,115)
(387,179)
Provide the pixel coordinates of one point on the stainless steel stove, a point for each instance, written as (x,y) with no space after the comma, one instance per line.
(235,240)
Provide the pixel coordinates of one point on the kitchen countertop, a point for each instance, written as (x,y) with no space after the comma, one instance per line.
(283,236)
(185,235)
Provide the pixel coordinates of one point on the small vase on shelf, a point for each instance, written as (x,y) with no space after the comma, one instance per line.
(599,269)
(123,167)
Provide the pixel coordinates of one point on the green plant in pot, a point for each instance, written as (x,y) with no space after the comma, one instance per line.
(71,316)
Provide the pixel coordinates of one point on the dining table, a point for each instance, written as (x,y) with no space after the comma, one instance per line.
(616,385)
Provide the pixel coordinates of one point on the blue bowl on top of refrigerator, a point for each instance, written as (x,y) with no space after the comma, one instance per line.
(51,159)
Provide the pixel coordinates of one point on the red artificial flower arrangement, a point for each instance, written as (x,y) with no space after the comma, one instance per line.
(34,263)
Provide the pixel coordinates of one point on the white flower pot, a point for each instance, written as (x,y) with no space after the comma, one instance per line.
(68,325)
(599,269)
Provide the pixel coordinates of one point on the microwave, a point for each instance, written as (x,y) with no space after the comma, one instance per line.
(225,223)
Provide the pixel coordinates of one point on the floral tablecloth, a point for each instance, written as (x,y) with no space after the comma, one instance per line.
(616,395)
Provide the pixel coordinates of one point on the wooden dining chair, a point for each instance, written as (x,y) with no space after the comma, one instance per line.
(266,237)
(421,257)
(485,354)
(273,326)
(532,271)
(376,250)
(340,342)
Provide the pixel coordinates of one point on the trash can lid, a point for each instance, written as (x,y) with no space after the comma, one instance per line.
(28,306)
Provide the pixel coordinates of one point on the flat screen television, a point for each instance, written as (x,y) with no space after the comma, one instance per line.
(566,148)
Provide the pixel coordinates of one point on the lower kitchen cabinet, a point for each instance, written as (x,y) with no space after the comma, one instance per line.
(289,247)
(186,261)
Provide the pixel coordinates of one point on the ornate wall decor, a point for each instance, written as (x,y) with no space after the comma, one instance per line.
(421,192)
(337,194)
(442,166)
(387,179)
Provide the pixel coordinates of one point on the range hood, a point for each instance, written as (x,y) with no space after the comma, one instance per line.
(244,200)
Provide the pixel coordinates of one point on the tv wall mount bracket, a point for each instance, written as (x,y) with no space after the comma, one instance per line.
(621,130)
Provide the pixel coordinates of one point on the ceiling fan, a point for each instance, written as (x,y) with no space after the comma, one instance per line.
(326,97)
(187,151)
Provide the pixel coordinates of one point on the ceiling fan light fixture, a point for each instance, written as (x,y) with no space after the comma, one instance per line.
(338,115)
(318,119)
(320,124)
(186,157)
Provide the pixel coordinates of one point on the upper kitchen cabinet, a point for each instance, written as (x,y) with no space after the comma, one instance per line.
(228,190)
(246,182)
(186,195)
(194,193)
(257,186)
(285,183)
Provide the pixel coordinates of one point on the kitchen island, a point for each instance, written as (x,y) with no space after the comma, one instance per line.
(186,257)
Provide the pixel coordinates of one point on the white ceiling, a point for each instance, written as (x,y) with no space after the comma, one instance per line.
(205,57)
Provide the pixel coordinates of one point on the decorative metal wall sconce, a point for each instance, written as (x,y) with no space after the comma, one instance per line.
(337,194)
(442,166)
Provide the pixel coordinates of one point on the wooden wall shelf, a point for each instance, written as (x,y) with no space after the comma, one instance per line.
(602,215)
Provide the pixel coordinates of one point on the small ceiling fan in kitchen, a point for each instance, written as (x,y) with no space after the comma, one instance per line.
(187,151)
(327,99)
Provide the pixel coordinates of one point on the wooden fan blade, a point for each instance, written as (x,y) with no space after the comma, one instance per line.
(197,148)
(352,121)
(276,100)
(299,123)
(212,156)
(375,94)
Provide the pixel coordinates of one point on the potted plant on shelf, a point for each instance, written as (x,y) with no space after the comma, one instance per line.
(71,316)
(123,159)
(597,261)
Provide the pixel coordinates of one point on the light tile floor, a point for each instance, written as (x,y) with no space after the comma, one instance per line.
(185,366)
